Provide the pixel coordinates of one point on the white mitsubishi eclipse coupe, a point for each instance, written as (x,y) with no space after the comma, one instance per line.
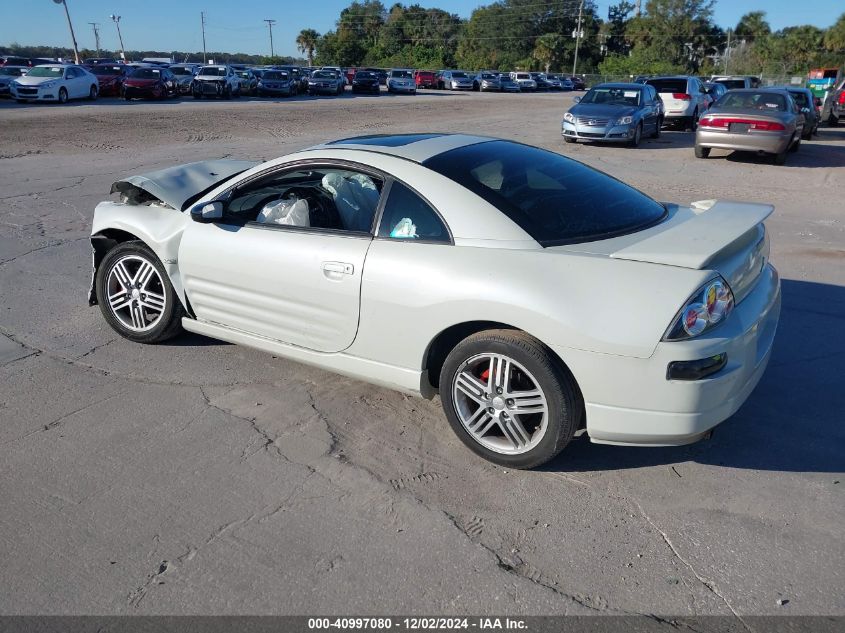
(537,295)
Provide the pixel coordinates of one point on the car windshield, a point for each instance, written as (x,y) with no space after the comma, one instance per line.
(401,74)
(11,72)
(46,71)
(556,200)
(324,74)
(766,101)
(613,96)
(668,85)
(523,76)
(459,75)
(274,75)
(488,76)
(213,71)
(365,75)
(146,73)
(181,70)
(242,73)
(107,70)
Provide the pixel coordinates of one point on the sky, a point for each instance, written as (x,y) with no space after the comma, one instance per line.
(237,26)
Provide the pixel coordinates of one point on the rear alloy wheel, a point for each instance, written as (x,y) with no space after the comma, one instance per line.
(638,135)
(92,94)
(136,296)
(62,95)
(508,399)
(657,127)
(702,152)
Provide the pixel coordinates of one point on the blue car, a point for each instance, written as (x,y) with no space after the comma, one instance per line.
(614,113)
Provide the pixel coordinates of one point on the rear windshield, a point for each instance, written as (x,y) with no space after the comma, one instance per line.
(107,70)
(765,101)
(146,73)
(668,85)
(554,199)
(523,76)
(11,72)
(731,84)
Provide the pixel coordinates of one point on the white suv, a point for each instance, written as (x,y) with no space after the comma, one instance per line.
(525,82)
(684,98)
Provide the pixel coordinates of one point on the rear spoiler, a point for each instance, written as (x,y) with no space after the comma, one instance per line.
(696,242)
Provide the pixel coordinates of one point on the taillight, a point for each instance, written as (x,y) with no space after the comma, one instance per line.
(842,98)
(682,96)
(723,123)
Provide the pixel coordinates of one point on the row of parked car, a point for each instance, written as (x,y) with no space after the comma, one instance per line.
(52,81)
(726,113)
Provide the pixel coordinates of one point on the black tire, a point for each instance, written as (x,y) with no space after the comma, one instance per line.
(656,133)
(832,120)
(227,92)
(62,95)
(197,95)
(780,159)
(638,136)
(702,152)
(795,146)
(92,94)
(693,124)
(126,96)
(170,322)
(569,139)
(565,406)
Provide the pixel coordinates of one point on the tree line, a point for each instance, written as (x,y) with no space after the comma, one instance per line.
(666,36)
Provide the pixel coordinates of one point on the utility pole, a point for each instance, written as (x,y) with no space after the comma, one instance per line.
(116,20)
(728,51)
(96,28)
(72,36)
(202,21)
(270,23)
(578,34)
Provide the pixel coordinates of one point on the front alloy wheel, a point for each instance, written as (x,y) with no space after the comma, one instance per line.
(135,294)
(509,399)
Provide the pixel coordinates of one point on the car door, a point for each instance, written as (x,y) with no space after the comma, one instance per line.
(288,282)
(80,83)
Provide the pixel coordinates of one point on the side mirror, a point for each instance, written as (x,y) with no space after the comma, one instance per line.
(576,99)
(206,212)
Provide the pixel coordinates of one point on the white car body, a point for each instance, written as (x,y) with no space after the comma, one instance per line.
(401,80)
(526,83)
(375,308)
(685,104)
(207,84)
(75,81)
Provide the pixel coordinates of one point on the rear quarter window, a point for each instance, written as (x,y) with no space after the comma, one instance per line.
(554,199)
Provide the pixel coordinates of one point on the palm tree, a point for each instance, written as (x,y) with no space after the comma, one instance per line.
(752,26)
(306,42)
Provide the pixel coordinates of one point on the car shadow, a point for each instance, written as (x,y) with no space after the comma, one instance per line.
(812,154)
(792,422)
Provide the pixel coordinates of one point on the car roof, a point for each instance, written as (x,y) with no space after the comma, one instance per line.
(774,90)
(621,85)
(416,147)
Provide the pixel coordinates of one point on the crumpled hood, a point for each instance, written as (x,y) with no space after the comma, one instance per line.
(177,186)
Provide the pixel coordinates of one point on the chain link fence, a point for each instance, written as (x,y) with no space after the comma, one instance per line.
(779,80)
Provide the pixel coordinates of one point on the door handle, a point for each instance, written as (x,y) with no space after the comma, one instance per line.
(338,267)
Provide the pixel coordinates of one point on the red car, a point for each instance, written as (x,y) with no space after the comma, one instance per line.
(150,82)
(110,78)
(426,79)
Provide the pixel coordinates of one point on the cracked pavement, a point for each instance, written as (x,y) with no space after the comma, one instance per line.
(198,477)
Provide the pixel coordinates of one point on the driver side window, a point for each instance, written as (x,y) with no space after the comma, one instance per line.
(317,198)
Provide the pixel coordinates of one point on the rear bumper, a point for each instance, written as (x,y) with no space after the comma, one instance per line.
(769,142)
(629,401)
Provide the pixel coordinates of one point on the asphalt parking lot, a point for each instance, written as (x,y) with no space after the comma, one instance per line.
(200,477)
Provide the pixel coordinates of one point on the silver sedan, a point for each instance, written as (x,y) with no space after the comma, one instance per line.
(765,121)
